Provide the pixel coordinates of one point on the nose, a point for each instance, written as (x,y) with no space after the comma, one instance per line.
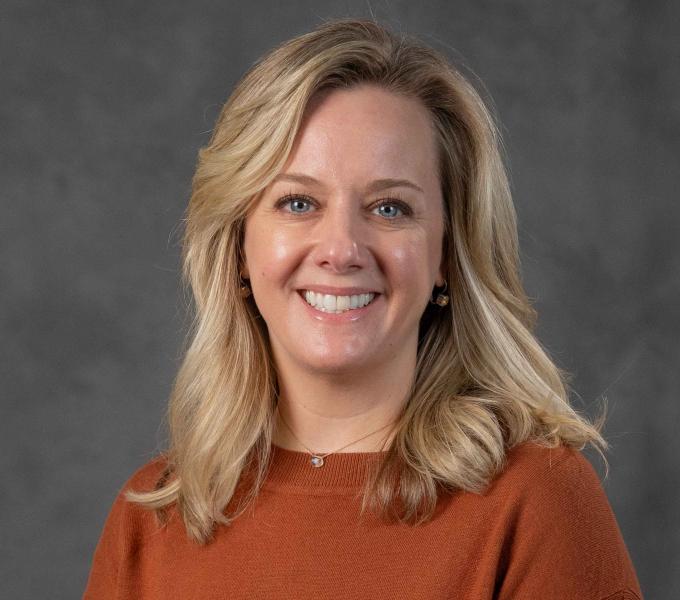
(340,238)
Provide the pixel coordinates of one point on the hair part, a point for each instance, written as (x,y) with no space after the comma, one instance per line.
(483,383)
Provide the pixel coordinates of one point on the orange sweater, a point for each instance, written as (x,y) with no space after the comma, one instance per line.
(542,530)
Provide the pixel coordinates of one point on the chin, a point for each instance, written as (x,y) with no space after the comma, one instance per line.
(335,366)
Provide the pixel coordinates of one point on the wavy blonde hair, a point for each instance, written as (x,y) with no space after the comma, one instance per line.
(483,383)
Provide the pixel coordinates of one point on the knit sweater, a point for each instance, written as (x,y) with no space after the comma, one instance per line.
(543,529)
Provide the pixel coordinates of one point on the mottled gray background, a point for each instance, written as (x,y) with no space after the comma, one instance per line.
(103,106)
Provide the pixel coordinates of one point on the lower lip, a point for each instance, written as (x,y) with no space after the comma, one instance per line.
(344,317)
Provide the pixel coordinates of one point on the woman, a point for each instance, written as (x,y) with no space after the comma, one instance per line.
(363,410)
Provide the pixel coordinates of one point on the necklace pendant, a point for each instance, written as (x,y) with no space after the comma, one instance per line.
(317,461)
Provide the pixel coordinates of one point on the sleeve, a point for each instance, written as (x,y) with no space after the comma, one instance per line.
(565,542)
(120,541)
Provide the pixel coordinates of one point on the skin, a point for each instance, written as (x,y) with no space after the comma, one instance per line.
(341,381)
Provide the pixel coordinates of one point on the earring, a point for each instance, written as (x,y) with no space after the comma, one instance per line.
(442,298)
(244,290)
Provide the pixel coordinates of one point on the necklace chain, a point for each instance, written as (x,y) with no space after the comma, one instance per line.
(317,459)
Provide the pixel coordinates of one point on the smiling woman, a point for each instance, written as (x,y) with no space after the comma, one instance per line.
(357,211)
(362,372)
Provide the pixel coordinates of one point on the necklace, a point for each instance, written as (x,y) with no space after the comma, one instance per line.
(317,459)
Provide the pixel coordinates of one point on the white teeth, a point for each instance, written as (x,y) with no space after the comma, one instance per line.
(337,304)
(329,302)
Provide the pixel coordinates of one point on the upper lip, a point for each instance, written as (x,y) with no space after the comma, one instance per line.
(338,291)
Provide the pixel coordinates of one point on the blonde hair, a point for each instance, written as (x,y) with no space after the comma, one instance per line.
(483,383)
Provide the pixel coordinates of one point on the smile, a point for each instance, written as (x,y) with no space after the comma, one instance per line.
(330,303)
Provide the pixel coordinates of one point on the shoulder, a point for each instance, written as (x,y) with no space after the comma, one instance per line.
(557,486)
(561,532)
(535,465)
(129,519)
(125,529)
(531,458)
(147,476)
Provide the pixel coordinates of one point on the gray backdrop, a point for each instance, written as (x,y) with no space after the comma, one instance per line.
(103,107)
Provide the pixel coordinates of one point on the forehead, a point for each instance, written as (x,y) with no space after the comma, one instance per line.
(365,131)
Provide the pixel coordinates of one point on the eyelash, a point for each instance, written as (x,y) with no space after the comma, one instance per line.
(400,204)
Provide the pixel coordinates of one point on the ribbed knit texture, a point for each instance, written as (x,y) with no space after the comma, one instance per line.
(543,529)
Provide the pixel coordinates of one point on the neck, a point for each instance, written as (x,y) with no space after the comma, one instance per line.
(327,413)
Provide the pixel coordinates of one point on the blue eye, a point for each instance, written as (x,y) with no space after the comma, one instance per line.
(298,203)
(395,207)
(294,202)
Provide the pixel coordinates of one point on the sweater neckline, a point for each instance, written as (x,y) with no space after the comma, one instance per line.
(293,469)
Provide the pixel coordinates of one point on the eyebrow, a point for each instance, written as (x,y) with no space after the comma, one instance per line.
(375,185)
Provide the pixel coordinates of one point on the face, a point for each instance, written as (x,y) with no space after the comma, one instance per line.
(356,210)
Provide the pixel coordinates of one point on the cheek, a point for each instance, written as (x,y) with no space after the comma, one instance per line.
(270,253)
(411,261)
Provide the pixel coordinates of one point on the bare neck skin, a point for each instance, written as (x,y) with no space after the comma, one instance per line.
(329,411)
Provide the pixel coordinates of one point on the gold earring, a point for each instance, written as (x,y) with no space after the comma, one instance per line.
(442,298)
(244,290)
